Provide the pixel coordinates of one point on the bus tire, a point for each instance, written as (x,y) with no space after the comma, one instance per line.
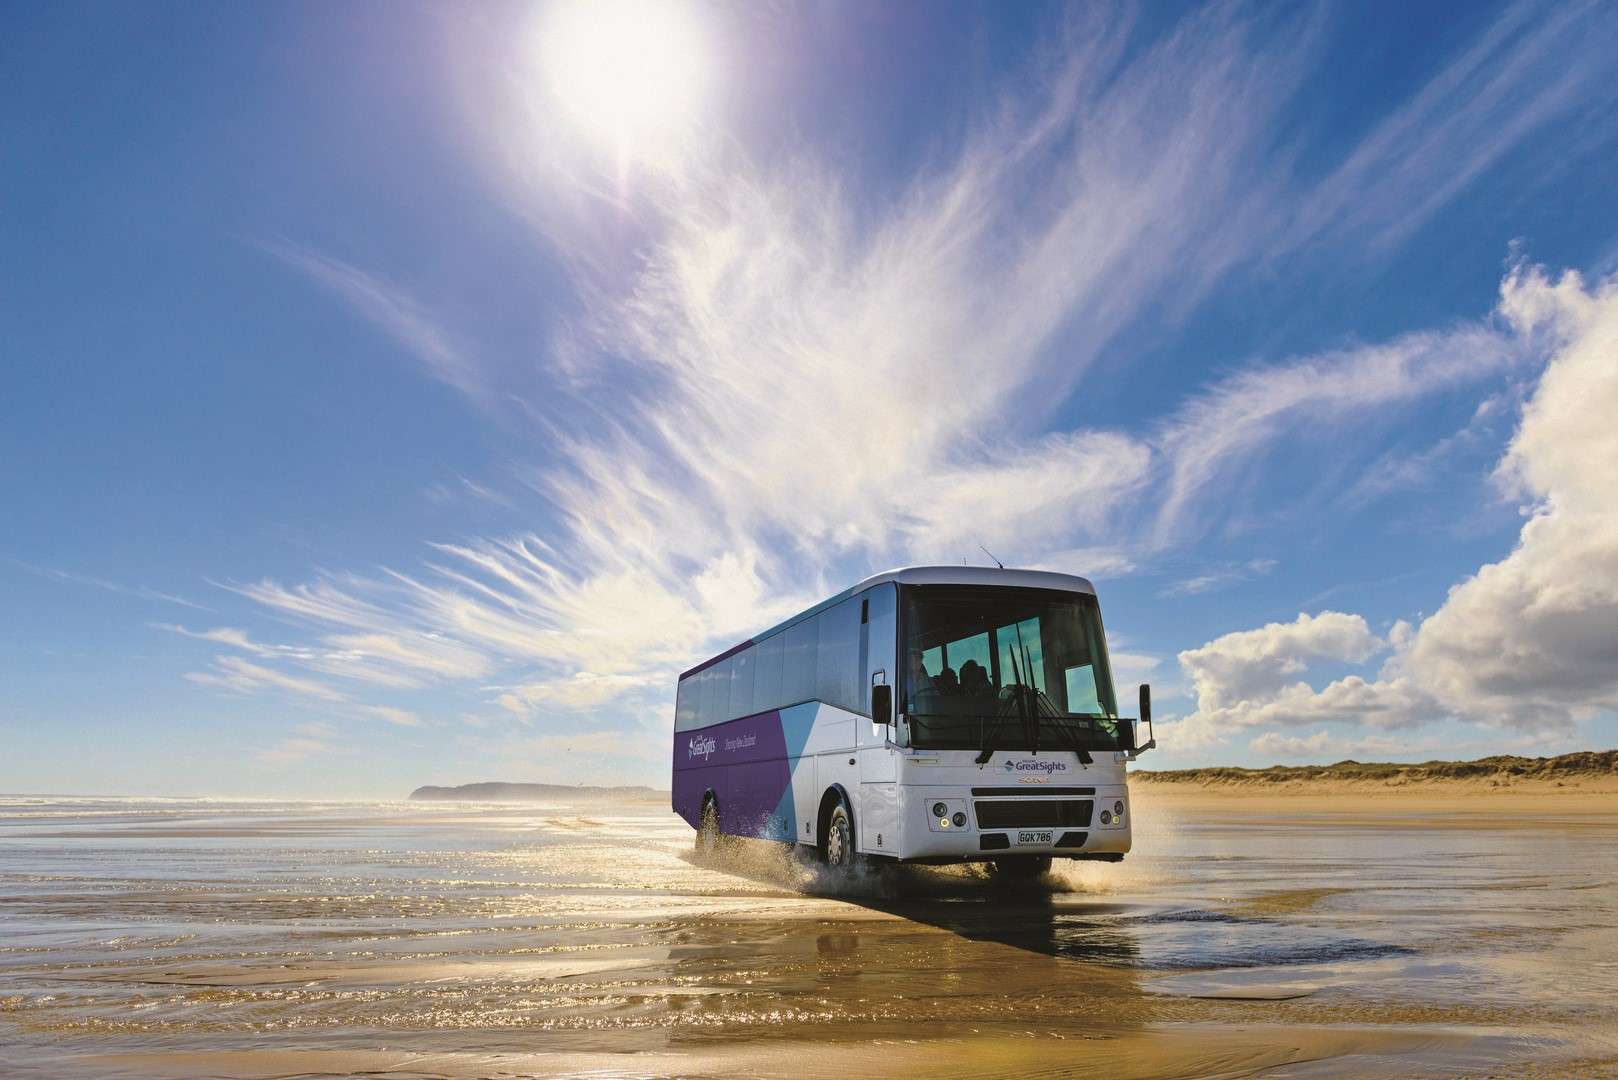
(708,834)
(837,846)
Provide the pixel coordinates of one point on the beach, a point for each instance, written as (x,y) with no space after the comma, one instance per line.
(1354,930)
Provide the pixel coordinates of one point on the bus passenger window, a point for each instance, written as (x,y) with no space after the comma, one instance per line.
(767,679)
(798,666)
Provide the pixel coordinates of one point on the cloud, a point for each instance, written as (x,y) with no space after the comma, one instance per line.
(244,676)
(1532,640)
(1132,667)
(395,716)
(771,317)
(1237,419)
(222,635)
(139,591)
(512,604)
(1238,671)
(395,313)
(583,690)
(467,488)
(1218,578)
(1532,66)
(1326,745)
(1400,470)
(393,657)
(1528,643)
(307,741)
(774,385)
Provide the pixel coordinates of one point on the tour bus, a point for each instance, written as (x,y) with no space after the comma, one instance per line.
(934,714)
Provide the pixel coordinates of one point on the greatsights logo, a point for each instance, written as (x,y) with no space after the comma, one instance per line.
(701,746)
(1035,765)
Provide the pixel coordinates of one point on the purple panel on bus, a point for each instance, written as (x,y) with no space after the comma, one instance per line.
(744,763)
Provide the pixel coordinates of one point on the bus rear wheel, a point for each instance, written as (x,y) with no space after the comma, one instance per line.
(708,835)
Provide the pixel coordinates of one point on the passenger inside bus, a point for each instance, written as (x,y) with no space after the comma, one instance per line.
(975,680)
(920,680)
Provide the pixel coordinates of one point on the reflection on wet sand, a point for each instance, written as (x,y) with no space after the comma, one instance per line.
(239,940)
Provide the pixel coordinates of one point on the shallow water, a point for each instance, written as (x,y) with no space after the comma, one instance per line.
(187,938)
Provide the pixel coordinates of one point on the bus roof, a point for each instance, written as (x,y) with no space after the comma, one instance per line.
(925,575)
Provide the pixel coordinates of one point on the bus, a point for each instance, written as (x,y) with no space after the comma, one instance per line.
(935,714)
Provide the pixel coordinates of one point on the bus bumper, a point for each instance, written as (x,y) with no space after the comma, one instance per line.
(931,838)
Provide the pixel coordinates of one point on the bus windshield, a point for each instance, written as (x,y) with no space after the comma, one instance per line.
(1007,668)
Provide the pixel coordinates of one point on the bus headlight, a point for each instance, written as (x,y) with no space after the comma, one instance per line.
(1118,808)
(940,810)
(1106,817)
(960,819)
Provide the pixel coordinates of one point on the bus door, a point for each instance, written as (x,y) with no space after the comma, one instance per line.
(879,763)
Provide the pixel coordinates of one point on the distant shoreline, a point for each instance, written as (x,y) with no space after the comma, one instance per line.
(1587,769)
(500,791)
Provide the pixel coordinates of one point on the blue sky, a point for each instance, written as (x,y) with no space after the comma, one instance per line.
(401,394)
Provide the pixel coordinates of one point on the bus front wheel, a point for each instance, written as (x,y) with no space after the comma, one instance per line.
(1022,871)
(838,850)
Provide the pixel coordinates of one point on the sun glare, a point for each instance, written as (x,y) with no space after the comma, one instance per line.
(630,71)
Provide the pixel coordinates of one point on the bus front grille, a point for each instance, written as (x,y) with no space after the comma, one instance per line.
(1033,813)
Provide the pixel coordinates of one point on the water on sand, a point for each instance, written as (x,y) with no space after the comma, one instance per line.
(145,938)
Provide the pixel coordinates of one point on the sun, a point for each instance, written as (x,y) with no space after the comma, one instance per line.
(630,72)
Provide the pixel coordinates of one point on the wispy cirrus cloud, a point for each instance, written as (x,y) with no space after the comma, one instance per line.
(307,740)
(140,592)
(1533,65)
(805,385)
(395,312)
(393,715)
(380,651)
(244,677)
(1232,422)
(465,488)
(1217,578)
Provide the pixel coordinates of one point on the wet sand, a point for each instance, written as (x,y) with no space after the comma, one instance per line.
(1289,934)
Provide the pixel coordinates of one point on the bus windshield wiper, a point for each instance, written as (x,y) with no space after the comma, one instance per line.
(1069,730)
(988,742)
(1022,690)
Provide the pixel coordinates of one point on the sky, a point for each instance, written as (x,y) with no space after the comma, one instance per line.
(396,393)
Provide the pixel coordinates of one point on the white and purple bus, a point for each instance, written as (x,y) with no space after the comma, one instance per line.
(935,714)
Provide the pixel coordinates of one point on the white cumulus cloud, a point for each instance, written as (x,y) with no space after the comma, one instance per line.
(1527,643)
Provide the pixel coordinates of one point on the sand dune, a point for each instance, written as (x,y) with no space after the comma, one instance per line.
(1587,770)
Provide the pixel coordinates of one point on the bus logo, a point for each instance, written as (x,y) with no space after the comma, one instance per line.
(1035,765)
(702,746)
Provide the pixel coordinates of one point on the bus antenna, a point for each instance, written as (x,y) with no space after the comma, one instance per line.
(990,554)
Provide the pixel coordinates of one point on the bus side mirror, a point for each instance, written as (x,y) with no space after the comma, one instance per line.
(882,703)
(1146,722)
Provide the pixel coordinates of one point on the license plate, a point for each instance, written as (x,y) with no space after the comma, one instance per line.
(1034,836)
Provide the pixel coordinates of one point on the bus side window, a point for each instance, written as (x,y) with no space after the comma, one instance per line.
(767,677)
(720,688)
(712,705)
(741,683)
(837,679)
(699,694)
(685,704)
(798,665)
